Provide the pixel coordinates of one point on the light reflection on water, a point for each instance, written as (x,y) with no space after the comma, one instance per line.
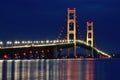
(89,70)
(49,69)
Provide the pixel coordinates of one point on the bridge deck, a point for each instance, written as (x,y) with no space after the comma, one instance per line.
(53,45)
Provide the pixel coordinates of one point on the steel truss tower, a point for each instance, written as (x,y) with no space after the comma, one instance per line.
(89,36)
(71,27)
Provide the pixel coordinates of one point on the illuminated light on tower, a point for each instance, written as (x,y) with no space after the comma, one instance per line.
(89,36)
(71,27)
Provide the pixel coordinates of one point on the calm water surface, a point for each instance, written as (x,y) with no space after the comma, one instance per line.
(60,69)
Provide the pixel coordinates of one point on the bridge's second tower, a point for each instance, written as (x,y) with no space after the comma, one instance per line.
(89,36)
(71,27)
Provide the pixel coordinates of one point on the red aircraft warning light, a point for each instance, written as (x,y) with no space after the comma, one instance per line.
(48,50)
(36,52)
(30,52)
(15,54)
(5,56)
(24,54)
(42,51)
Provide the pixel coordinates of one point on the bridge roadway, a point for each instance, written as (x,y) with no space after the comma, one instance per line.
(52,46)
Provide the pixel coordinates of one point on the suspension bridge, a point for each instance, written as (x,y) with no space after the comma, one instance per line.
(50,49)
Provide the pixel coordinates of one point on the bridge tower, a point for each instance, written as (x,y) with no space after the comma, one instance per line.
(71,27)
(89,36)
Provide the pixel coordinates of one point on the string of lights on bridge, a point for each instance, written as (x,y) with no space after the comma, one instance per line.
(29,42)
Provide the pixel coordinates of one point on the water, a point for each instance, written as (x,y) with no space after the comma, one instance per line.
(60,69)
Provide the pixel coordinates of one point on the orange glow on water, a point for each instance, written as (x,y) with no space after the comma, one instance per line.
(90,70)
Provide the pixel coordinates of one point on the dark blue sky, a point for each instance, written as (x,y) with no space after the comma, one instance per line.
(43,19)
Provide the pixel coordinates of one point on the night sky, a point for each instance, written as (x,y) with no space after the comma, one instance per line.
(43,19)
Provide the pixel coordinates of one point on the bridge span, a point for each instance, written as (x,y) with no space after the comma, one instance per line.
(47,49)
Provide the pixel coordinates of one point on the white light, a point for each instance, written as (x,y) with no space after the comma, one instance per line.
(63,40)
(47,41)
(37,41)
(28,42)
(42,41)
(57,41)
(9,42)
(51,41)
(23,42)
(34,41)
(60,40)
(1,42)
(17,42)
(54,41)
